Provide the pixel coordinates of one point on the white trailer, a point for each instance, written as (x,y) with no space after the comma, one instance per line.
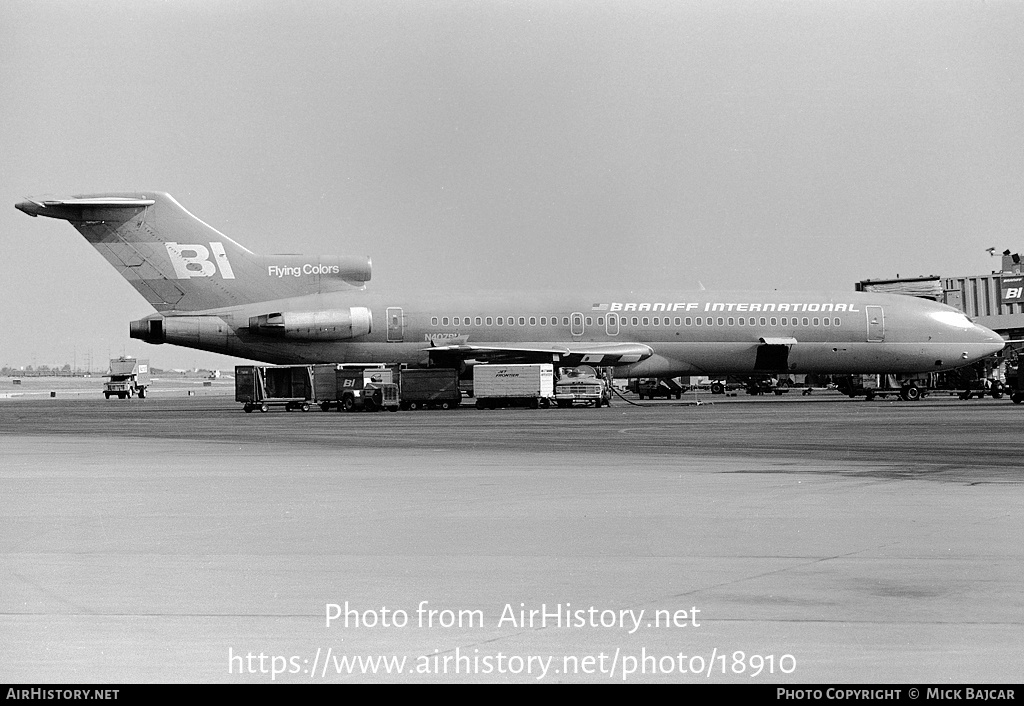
(513,385)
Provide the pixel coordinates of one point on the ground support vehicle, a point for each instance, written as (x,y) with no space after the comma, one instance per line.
(582,386)
(722,386)
(656,387)
(513,385)
(429,388)
(872,386)
(989,388)
(127,377)
(263,386)
(752,384)
(765,385)
(352,389)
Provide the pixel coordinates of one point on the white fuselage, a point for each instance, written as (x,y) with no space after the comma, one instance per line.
(692,333)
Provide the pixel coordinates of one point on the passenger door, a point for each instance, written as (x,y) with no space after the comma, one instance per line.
(396,324)
(876,323)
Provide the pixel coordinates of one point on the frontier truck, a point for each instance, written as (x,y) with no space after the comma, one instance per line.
(513,385)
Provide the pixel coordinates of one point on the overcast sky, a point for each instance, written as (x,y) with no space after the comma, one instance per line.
(512,145)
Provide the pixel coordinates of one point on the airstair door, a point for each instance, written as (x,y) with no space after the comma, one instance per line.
(876,323)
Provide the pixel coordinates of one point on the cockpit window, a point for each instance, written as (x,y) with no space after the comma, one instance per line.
(952,318)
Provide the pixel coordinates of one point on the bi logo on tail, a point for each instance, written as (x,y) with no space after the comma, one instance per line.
(194,260)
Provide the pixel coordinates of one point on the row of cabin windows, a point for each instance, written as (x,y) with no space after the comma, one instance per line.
(645,321)
(465,321)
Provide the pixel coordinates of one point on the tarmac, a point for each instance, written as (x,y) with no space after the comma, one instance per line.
(791,540)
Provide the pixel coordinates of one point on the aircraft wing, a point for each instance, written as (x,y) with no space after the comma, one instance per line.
(569,353)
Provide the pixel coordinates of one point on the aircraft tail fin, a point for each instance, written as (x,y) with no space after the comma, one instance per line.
(179,263)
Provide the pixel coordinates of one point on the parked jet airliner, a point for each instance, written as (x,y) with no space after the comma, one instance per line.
(213,294)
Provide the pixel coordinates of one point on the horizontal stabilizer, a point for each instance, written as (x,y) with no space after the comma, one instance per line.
(38,207)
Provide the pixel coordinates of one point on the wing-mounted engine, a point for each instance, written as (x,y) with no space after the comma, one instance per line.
(327,325)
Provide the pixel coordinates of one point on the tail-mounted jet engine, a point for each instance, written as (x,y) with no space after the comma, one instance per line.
(329,325)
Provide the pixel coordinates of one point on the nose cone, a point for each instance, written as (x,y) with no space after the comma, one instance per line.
(978,342)
(988,340)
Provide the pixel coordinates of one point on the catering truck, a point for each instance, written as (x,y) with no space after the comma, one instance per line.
(513,385)
(127,377)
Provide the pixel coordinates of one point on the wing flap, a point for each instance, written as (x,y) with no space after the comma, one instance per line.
(573,353)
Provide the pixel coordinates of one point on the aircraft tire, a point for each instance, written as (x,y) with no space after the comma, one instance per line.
(910,393)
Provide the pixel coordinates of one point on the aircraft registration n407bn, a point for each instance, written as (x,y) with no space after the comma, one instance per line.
(213,294)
